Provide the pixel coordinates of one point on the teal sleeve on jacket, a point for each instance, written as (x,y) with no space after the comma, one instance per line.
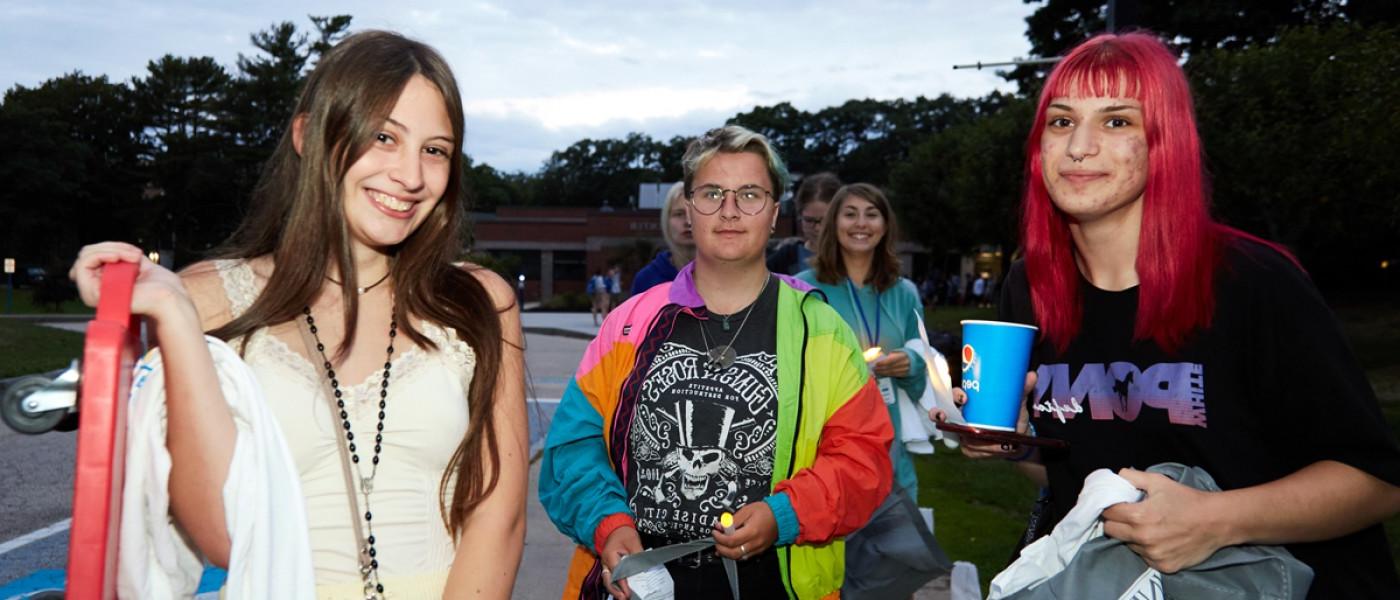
(577,485)
(781,506)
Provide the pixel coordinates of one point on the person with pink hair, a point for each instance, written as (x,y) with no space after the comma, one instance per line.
(1166,336)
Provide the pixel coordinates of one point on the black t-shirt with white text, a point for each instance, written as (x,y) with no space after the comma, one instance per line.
(1268,388)
(702,438)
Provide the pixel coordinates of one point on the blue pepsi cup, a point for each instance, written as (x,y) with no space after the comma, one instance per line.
(995,356)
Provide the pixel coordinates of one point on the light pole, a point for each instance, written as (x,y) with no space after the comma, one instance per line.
(9,285)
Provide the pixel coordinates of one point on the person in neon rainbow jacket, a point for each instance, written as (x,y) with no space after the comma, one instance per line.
(682,409)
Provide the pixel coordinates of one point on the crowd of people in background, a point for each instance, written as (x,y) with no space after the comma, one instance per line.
(604,291)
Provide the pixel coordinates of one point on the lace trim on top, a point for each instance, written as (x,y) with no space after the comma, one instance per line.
(240,285)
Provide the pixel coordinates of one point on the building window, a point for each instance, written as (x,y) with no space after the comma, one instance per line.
(570,265)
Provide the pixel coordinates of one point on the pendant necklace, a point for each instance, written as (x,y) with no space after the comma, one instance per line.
(720,358)
(363,289)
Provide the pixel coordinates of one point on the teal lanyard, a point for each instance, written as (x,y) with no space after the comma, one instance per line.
(872,339)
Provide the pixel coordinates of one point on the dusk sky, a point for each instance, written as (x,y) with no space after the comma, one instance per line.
(538,75)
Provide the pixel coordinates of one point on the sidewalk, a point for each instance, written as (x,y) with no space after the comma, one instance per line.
(578,325)
(547,552)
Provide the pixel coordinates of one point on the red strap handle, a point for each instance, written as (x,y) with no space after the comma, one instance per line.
(108,357)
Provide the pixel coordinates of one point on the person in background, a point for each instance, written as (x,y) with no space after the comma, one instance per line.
(614,285)
(1165,336)
(729,389)
(598,296)
(857,270)
(357,221)
(680,246)
(794,255)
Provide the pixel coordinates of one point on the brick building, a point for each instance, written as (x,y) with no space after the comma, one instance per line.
(558,247)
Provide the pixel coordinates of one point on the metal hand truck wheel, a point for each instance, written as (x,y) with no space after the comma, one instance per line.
(37,404)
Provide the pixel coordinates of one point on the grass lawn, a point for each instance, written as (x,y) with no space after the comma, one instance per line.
(23,304)
(949,318)
(27,348)
(980,507)
(1373,328)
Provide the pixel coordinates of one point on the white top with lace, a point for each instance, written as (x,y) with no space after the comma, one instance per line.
(425,421)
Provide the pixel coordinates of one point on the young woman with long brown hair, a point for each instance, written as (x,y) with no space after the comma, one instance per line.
(344,274)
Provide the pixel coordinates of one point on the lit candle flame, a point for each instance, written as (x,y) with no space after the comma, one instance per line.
(872,353)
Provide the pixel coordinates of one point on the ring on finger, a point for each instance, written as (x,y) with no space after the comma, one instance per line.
(743,552)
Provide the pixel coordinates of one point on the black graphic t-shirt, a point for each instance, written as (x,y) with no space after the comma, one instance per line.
(702,438)
(1267,389)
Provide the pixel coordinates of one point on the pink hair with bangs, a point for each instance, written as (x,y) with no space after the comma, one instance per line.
(1179,244)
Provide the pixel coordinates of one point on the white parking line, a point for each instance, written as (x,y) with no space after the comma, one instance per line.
(35,536)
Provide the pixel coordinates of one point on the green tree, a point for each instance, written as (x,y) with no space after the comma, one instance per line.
(71,167)
(489,189)
(181,101)
(329,30)
(962,186)
(1301,142)
(603,172)
(260,99)
(180,98)
(859,139)
(788,129)
(1193,25)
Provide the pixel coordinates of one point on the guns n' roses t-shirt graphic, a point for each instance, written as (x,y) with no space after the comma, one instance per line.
(702,436)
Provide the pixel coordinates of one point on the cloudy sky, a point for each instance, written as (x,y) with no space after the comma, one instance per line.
(538,75)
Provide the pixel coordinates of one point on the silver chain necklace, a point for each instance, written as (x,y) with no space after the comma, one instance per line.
(720,358)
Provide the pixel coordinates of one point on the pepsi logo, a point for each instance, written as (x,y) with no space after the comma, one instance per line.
(968,356)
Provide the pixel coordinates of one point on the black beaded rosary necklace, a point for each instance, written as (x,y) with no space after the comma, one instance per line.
(370,573)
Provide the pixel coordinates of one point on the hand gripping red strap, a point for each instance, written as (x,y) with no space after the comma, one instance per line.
(109,354)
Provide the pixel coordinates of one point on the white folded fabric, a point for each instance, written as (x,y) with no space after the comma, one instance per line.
(269,554)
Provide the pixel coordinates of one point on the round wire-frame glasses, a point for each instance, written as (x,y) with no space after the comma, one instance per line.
(708,199)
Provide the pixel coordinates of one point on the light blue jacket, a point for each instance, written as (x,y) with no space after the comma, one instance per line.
(900,309)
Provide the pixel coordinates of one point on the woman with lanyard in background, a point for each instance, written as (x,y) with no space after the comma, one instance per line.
(858,271)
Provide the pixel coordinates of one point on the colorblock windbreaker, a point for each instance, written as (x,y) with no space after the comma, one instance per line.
(831,462)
